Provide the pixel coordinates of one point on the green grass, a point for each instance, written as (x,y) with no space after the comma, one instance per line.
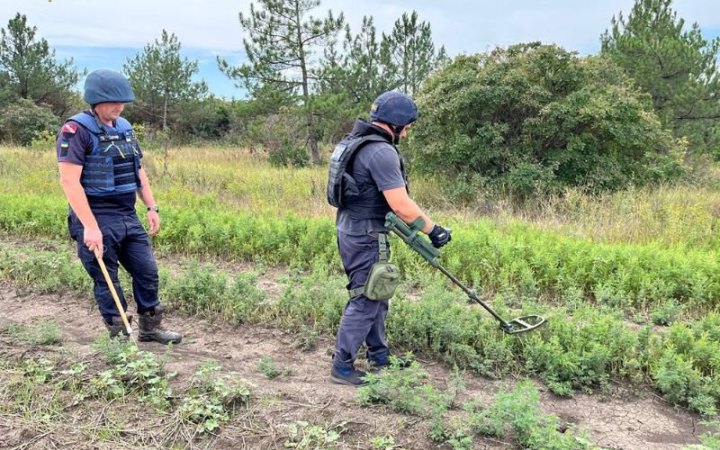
(628,281)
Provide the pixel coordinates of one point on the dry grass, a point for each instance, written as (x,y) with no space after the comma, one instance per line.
(242,179)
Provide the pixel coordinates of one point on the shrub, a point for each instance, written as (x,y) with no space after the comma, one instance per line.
(536,118)
(23,121)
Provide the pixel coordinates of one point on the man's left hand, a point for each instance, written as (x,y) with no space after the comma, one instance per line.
(440,236)
(154,222)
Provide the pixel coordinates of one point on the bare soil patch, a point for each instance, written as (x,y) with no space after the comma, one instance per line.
(627,420)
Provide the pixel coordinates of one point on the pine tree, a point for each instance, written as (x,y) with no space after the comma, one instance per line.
(283,39)
(675,65)
(28,68)
(408,53)
(161,80)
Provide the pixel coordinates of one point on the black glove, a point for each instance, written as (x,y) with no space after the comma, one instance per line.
(440,236)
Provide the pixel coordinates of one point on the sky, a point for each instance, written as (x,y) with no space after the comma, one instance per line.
(100,34)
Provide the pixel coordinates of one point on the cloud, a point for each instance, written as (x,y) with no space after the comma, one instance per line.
(102,34)
(463,26)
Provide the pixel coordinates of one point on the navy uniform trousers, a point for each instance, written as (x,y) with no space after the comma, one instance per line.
(363,319)
(125,242)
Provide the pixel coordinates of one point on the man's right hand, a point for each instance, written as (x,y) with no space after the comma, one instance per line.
(440,236)
(93,239)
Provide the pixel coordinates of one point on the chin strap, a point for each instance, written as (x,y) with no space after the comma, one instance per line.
(396,134)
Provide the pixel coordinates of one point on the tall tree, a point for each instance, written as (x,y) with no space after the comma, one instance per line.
(283,39)
(28,68)
(162,80)
(408,53)
(354,71)
(675,65)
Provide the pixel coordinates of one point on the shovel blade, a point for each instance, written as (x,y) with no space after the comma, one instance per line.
(523,324)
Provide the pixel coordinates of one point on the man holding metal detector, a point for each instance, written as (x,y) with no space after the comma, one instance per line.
(366,181)
(101,174)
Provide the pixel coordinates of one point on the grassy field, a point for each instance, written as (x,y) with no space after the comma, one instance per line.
(629,281)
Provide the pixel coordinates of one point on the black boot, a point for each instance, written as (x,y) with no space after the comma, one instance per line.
(152,330)
(117,327)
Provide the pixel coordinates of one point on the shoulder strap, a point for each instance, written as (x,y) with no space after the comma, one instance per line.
(383,248)
(87,121)
(122,124)
(361,143)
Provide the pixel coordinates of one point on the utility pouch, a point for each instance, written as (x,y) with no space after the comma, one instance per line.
(384,277)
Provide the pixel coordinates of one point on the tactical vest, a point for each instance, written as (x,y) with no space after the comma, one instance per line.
(112,166)
(360,201)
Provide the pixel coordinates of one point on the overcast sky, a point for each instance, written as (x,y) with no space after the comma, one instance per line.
(102,34)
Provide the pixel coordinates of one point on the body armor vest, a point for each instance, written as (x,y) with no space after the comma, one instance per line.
(361,201)
(112,166)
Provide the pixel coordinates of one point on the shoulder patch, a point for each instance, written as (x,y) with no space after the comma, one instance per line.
(70,127)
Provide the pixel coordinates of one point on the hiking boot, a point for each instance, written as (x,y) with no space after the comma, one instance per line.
(117,327)
(349,376)
(152,330)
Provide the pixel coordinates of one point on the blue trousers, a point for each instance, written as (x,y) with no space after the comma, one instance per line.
(125,242)
(363,319)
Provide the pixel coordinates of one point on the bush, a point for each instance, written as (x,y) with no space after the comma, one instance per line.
(283,135)
(535,119)
(23,121)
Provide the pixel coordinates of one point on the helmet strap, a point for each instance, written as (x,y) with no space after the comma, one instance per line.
(396,133)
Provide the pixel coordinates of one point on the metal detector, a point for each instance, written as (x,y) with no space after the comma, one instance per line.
(409,234)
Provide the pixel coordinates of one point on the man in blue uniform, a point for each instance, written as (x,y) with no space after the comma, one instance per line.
(101,174)
(379,186)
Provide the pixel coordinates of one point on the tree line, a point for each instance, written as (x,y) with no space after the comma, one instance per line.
(525,118)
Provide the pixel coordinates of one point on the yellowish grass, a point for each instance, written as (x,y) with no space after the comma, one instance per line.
(243,180)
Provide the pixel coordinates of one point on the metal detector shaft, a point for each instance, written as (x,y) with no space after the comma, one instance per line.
(409,234)
(473,296)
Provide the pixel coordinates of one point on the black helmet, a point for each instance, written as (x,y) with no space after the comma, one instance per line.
(394,108)
(104,85)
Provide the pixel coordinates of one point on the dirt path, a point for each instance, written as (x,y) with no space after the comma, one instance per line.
(627,421)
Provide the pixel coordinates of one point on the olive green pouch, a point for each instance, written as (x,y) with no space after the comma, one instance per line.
(384,277)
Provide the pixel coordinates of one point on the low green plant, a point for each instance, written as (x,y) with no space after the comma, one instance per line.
(269,369)
(665,313)
(681,383)
(382,443)
(211,399)
(38,371)
(44,332)
(132,371)
(517,413)
(307,339)
(459,437)
(405,390)
(305,436)
(204,291)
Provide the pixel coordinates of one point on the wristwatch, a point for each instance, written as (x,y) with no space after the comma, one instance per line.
(154,208)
